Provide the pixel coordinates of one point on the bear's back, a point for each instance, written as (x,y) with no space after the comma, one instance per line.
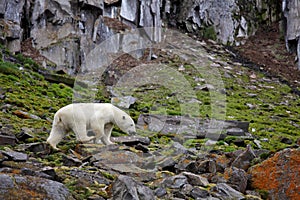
(86,110)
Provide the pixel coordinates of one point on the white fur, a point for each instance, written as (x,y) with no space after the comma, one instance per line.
(97,117)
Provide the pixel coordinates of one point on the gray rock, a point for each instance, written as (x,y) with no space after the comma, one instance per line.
(290,10)
(35,147)
(7,140)
(243,161)
(126,188)
(224,192)
(123,102)
(15,156)
(17,187)
(71,161)
(189,126)
(90,178)
(197,193)
(25,133)
(160,192)
(129,10)
(131,140)
(195,179)
(237,178)
(174,182)
(235,132)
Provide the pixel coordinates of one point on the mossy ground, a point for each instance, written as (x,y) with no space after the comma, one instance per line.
(274,115)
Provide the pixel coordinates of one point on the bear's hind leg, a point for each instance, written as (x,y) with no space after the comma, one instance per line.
(81,133)
(56,135)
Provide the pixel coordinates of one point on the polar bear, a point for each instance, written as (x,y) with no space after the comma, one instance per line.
(82,117)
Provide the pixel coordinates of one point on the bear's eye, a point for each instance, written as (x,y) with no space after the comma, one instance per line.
(131,124)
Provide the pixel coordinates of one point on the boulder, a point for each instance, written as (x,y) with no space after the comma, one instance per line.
(278,175)
(175,182)
(17,186)
(195,179)
(7,140)
(224,192)
(15,156)
(244,159)
(126,188)
(237,178)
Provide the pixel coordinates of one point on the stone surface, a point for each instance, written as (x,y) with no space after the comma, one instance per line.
(126,188)
(189,126)
(30,187)
(15,156)
(7,140)
(278,175)
(243,160)
(195,179)
(237,178)
(131,140)
(224,192)
(291,14)
(65,33)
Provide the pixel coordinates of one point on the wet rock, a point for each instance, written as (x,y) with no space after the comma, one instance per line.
(237,178)
(224,192)
(126,188)
(243,161)
(279,175)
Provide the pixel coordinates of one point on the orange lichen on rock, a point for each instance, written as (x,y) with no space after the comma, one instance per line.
(279,175)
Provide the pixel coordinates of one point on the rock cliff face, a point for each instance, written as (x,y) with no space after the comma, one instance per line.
(291,11)
(66,31)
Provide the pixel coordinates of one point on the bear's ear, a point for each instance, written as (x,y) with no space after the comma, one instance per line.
(123,117)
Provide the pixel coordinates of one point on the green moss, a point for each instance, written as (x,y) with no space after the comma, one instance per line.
(108,175)
(209,33)
(9,69)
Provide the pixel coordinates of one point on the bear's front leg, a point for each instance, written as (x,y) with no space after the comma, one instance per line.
(107,134)
(103,133)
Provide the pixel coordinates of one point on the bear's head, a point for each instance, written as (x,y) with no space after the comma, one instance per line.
(127,125)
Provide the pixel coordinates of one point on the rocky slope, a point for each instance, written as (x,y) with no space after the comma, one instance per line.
(172,156)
